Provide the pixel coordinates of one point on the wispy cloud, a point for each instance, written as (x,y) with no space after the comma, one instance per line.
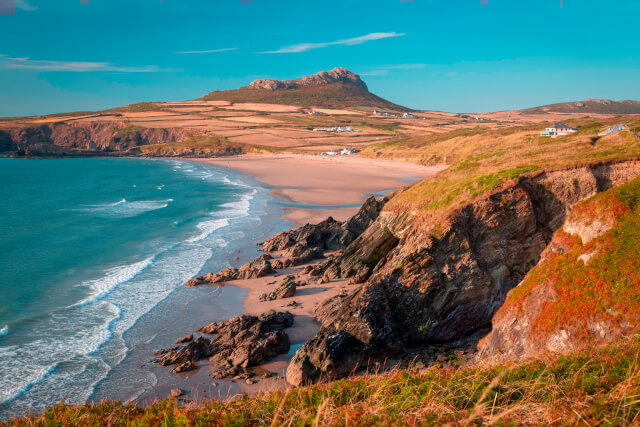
(209,51)
(383,70)
(23,5)
(15,63)
(303,47)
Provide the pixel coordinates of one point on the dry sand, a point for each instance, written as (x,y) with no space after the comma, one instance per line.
(327,181)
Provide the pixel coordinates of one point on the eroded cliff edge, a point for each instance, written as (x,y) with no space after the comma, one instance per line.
(425,284)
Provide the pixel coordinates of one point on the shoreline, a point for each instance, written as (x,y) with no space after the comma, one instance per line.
(339,184)
(307,202)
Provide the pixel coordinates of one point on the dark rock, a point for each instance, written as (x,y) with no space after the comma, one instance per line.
(287,289)
(184,367)
(239,343)
(184,339)
(201,280)
(192,352)
(259,267)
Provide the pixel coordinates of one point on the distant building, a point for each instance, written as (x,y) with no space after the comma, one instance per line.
(613,129)
(407,116)
(347,151)
(387,114)
(558,129)
(335,129)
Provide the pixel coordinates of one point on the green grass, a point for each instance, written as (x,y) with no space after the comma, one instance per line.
(480,159)
(593,387)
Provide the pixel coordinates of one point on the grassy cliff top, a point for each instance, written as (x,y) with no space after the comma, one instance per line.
(593,387)
(480,158)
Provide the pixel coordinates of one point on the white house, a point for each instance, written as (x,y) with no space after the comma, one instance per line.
(558,129)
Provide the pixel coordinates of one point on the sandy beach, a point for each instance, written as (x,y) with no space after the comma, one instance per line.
(326,181)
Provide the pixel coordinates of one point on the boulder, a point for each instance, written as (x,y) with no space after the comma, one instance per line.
(184,339)
(176,392)
(286,289)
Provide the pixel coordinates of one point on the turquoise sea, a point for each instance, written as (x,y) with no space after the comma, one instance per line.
(93,252)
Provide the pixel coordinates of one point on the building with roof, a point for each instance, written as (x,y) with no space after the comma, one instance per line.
(558,129)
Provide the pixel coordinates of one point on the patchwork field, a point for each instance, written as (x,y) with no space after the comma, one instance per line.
(290,128)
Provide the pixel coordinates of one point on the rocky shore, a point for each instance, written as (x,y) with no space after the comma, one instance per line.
(409,291)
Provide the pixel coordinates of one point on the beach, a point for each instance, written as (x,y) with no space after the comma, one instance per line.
(338,183)
(314,189)
(104,313)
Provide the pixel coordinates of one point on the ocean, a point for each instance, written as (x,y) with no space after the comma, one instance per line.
(93,255)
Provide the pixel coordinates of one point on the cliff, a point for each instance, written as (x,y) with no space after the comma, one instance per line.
(86,138)
(584,291)
(426,284)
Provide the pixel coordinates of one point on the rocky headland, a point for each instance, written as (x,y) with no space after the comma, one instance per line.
(416,287)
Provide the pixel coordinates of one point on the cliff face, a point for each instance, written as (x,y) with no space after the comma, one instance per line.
(430,284)
(89,137)
(584,291)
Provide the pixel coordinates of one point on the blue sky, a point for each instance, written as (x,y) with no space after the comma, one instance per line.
(451,55)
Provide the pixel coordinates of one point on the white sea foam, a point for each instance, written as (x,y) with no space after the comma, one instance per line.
(47,365)
(208,227)
(226,180)
(125,208)
(112,278)
(4,331)
(70,351)
(83,330)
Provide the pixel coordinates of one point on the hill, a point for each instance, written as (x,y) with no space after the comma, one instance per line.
(336,88)
(588,106)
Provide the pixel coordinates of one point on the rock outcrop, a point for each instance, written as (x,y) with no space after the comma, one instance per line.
(338,74)
(425,287)
(239,343)
(259,267)
(185,357)
(286,289)
(301,245)
(245,341)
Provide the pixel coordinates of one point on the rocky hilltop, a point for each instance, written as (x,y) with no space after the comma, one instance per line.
(336,75)
(336,88)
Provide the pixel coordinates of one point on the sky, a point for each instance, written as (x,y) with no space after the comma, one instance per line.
(448,55)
